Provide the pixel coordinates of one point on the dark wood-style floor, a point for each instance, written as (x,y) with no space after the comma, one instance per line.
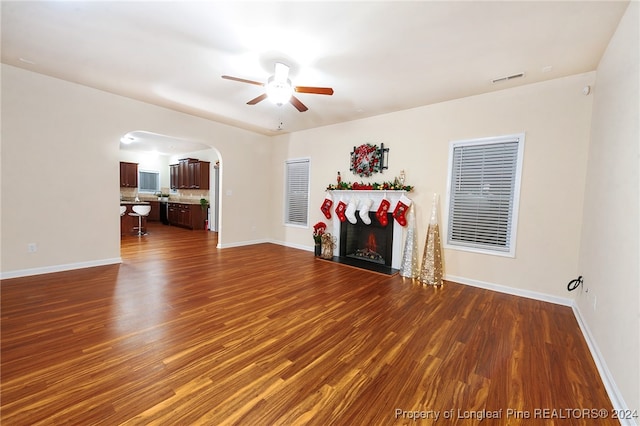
(182,333)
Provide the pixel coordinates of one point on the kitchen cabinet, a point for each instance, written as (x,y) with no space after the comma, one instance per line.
(200,175)
(189,173)
(128,175)
(184,178)
(186,215)
(174,170)
(154,214)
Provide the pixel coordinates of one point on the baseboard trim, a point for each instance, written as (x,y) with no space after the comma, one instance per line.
(565,301)
(617,400)
(58,268)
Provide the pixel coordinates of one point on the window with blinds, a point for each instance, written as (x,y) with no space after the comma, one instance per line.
(483,194)
(148,181)
(297,192)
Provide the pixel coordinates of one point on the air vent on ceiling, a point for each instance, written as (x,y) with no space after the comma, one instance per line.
(507,78)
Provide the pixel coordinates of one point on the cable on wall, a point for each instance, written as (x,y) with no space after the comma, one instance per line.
(573,284)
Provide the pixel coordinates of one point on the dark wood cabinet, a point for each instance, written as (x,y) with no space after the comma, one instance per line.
(189,173)
(201,175)
(154,214)
(172,213)
(185,170)
(183,174)
(128,175)
(186,215)
(174,170)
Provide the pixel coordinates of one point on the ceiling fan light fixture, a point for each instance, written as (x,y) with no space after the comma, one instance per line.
(281,74)
(279,92)
(279,89)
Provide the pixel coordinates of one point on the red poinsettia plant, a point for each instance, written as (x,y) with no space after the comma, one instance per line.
(318,231)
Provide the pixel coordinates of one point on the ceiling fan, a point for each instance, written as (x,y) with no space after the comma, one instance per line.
(279,89)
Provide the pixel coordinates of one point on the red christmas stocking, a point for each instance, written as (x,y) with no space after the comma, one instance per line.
(381,214)
(326,206)
(400,212)
(340,211)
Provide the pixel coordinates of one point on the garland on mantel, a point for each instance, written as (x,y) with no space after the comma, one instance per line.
(373,186)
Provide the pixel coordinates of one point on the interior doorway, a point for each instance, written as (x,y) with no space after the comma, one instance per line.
(154,154)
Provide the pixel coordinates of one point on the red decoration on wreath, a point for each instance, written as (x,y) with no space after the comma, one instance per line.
(365,160)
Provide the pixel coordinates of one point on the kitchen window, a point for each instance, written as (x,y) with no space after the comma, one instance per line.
(148,181)
(296,211)
(483,194)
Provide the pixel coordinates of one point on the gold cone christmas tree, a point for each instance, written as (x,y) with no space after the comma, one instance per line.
(431,271)
(409,268)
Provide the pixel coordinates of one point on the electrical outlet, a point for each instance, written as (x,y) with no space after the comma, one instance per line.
(32,248)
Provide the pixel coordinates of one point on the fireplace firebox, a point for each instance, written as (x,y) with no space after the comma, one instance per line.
(367,243)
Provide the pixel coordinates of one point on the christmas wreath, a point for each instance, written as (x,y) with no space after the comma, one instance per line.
(365,160)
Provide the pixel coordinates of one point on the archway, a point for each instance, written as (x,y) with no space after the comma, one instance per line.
(155,153)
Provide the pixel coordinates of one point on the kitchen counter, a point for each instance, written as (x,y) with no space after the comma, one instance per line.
(192,202)
(170,200)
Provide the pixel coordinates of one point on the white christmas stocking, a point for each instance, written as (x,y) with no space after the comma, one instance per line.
(364,211)
(351,211)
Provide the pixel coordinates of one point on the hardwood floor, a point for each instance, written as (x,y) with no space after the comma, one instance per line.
(182,333)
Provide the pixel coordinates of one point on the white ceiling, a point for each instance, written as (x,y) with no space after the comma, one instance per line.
(379,57)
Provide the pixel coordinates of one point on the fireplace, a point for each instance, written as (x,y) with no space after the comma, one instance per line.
(368,243)
(385,236)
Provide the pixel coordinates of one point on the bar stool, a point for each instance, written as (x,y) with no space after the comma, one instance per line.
(140,211)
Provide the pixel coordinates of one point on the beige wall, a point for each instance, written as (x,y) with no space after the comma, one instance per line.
(609,252)
(555,117)
(60,173)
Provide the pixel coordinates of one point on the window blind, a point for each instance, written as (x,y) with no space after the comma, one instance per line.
(482,194)
(148,181)
(297,192)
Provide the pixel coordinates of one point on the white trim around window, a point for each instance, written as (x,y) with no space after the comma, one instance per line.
(483,194)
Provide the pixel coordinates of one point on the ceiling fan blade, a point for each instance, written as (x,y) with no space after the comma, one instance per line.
(242,80)
(299,105)
(258,99)
(314,90)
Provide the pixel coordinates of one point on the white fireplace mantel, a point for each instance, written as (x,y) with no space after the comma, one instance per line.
(376,196)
